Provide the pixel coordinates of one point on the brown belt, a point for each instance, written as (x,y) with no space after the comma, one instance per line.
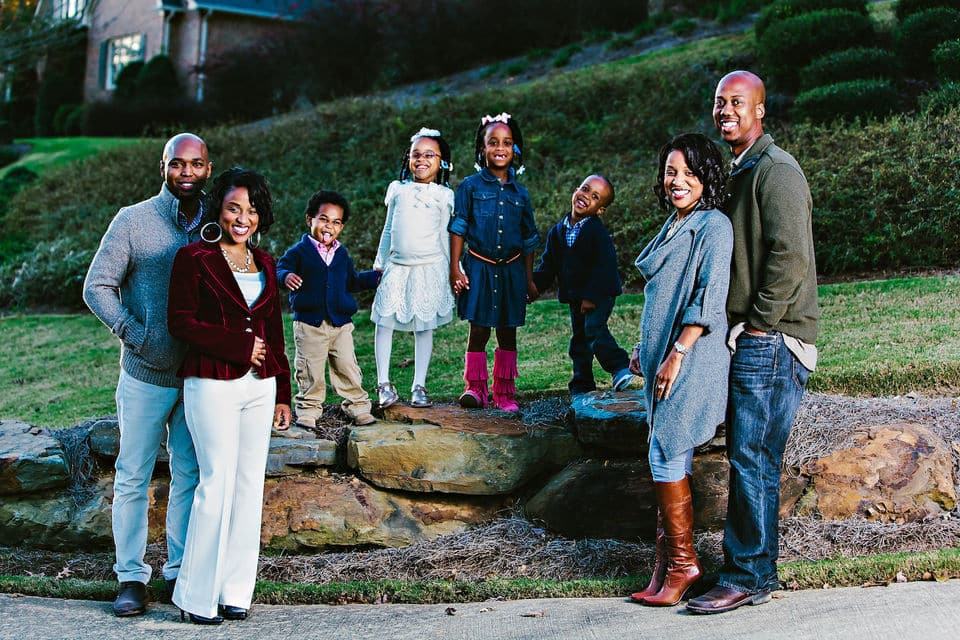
(484,258)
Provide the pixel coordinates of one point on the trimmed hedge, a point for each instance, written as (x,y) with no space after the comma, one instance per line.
(847,100)
(784,9)
(850,64)
(946,60)
(919,35)
(941,100)
(907,8)
(791,44)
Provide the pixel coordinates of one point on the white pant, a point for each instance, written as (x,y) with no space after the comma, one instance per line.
(230,423)
(146,413)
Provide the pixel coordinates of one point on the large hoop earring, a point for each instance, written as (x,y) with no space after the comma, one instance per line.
(204,234)
(257,243)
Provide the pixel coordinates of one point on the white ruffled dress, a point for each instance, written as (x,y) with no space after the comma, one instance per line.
(414,254)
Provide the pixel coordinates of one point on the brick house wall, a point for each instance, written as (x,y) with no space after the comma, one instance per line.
(114,19)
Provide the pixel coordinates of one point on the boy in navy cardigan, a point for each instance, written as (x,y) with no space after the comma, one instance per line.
(319,273)
(581,257)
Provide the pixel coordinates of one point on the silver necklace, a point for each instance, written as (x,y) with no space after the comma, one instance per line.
(234,265)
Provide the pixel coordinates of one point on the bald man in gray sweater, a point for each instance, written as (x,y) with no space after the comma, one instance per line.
(126,288)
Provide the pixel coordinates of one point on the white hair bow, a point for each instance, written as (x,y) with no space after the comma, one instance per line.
(503,117)
(424,132)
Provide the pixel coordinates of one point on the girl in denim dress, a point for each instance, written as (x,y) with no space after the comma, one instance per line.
(494,232)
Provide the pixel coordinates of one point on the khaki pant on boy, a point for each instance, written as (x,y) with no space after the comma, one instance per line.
(315,347)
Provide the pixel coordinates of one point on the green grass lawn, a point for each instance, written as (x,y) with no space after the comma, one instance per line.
(876,338)
(46,153)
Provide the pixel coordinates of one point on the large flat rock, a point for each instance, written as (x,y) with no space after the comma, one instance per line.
(451,450)
(333,511)
(31,460)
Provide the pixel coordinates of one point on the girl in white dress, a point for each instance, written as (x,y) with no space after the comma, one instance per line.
(414,256)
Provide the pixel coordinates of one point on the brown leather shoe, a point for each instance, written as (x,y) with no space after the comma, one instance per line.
(659,566)
(683,566)
(720,599)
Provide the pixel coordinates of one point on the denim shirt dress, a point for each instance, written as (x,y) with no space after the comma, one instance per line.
(496,221)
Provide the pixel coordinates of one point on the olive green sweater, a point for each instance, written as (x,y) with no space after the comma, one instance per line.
(773,278)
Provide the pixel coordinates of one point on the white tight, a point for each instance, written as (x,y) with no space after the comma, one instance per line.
(422,351)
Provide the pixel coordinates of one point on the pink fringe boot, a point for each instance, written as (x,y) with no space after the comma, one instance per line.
(504,373)
(474,396)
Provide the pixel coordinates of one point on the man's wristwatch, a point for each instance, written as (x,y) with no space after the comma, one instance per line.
(679,348)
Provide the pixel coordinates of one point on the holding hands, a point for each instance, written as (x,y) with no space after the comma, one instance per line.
(459,281)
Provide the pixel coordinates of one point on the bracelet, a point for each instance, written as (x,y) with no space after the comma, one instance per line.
(680,348)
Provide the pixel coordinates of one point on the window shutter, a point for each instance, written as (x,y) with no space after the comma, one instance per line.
(102,74)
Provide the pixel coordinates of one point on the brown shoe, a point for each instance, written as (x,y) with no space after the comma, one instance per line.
(363,419)
(659,566)
(720,599)
(683,566)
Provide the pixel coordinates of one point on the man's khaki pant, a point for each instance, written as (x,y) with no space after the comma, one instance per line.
(315,347)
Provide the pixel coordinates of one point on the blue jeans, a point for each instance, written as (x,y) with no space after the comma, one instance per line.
(669,470)
(146,414)
(766,384)
(590,338)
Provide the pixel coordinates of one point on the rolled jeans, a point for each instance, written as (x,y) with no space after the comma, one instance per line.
(591,337)
(146,413)
(766,385)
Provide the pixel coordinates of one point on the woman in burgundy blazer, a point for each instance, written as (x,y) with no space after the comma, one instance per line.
(225,305)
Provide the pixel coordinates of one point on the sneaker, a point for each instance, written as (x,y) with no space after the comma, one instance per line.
(622,380)
(363,419)
(132,599)
(419,397)
(387,394)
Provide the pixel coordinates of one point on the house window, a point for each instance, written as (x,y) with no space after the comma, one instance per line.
(69,9)
(119,53)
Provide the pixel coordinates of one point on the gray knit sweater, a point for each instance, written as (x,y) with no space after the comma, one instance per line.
(127,284)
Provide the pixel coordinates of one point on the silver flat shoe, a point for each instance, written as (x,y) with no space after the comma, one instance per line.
(419,397)
(387,394)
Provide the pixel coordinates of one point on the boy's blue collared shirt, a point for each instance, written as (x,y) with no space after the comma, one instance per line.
(495,219)
(572,231)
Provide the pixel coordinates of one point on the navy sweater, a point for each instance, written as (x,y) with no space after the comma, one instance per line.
(585,271)
(325,292)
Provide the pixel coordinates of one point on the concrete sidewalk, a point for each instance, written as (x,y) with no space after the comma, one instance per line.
(927,610)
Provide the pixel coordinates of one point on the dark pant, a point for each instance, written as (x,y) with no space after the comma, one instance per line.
(590,338)
(766,384)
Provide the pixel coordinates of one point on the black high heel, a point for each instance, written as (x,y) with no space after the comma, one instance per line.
(230,612)
(195,619)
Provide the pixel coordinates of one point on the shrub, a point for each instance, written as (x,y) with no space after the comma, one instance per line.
(142,117)
(60,118)
(783,9)
(790,44)
(157,80)
(683,26)
(6,132)
(946,59)
(125,84)
(906,8)
(849,64)
(73,124)
(847,100)
(563,56)
(919,34)
(944,98)
(53,275)
(620,42)
(8,156)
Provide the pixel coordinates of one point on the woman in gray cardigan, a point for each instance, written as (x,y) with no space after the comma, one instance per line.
(682,353)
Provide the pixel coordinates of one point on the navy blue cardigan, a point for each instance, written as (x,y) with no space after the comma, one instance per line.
(585,271)
(325,292)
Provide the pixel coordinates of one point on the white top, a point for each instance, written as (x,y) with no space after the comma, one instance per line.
(415,231)
(251,285)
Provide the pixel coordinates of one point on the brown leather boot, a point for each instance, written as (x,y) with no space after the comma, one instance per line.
(683,566)
(659,566)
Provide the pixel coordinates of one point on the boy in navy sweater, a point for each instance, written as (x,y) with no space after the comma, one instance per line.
(581,257)
(319,273)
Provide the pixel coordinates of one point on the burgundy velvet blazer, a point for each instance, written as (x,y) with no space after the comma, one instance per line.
(207,311)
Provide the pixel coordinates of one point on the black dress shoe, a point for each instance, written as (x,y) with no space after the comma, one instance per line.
(229,612)
(168,586)
(132,599)
(195,619)
(720,599)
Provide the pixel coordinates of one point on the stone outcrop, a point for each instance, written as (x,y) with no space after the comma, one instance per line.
(332,511)
(612,423)
(450,450)
(895,473)
(31,460)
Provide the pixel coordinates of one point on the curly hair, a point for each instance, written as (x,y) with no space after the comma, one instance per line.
(705,161)
(257,190)
(515,133)
(443,176)
(326,196)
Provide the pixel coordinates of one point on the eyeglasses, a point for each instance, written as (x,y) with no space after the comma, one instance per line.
(429,155)
(326,220)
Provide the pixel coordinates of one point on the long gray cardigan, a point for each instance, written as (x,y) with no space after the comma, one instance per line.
(687,280)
